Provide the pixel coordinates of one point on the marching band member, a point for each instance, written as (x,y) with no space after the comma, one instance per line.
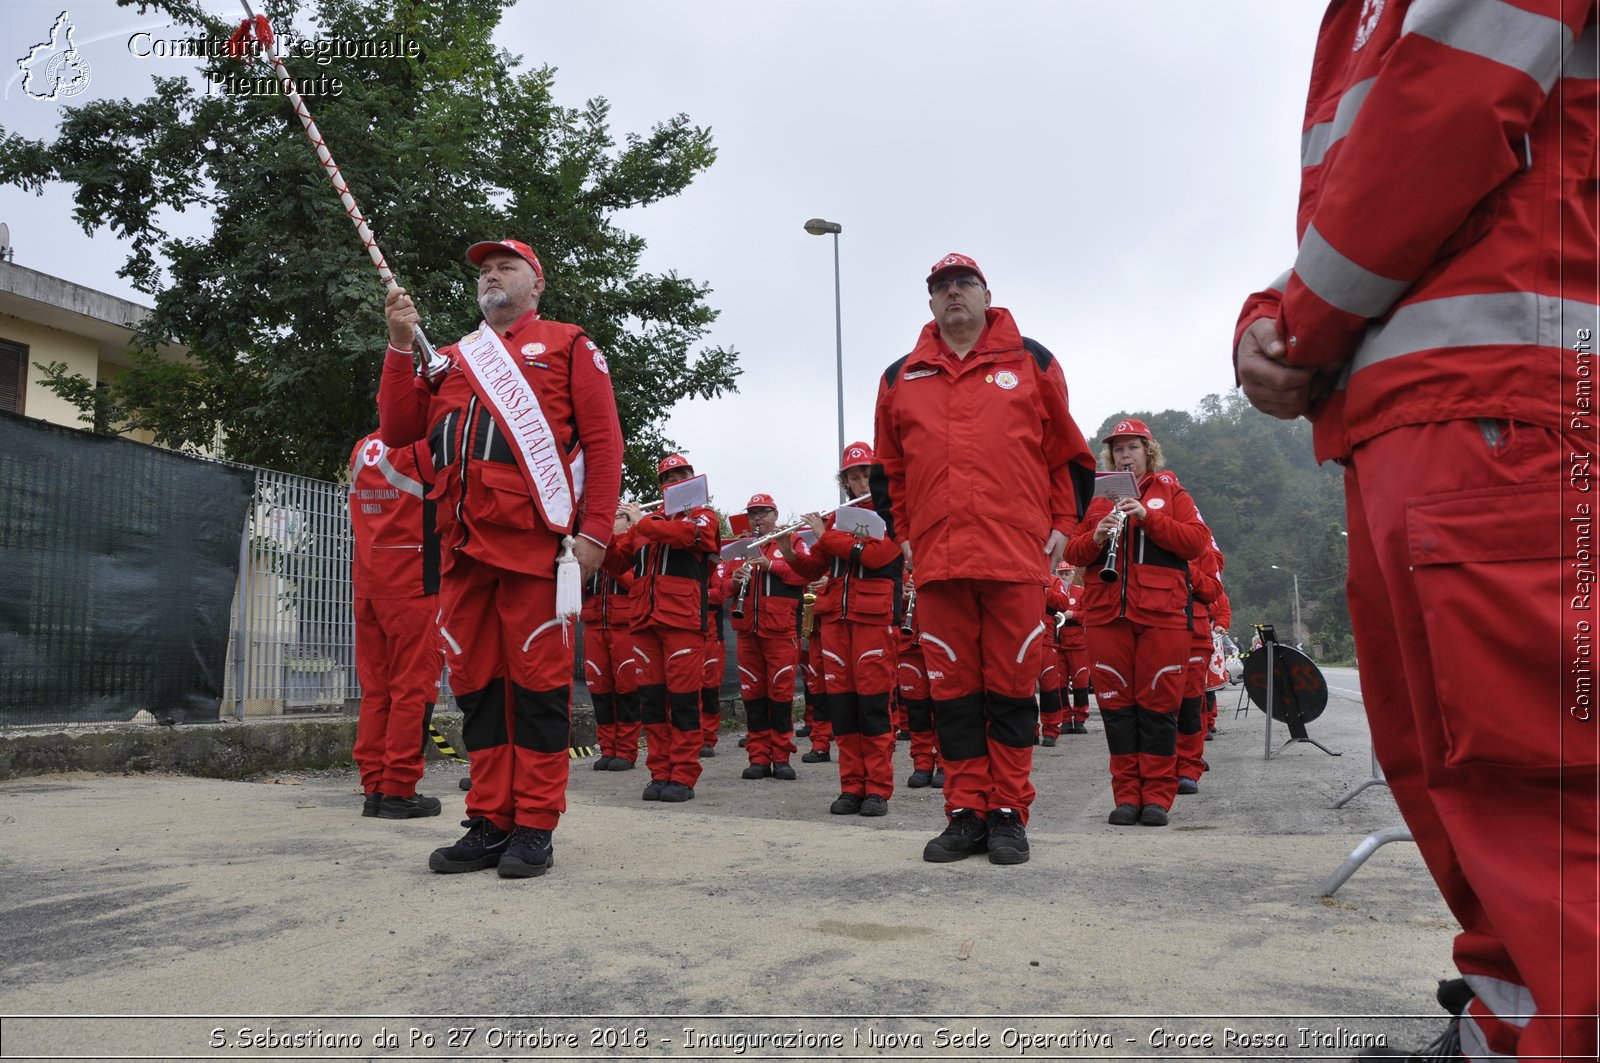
(1137,625)
(977,450)
(1074,656)
(1221,621)
(766,617)
(858,612)
(913,691)
(670,558)
(610,667)
(1056,602)
(819,724)
(1204,578)
(507,431)
(716,662)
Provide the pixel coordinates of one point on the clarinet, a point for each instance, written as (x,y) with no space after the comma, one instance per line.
(744,588)
(1108,572)
(908,626)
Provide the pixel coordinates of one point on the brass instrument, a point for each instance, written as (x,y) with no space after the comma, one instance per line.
(807,620)
(749,545)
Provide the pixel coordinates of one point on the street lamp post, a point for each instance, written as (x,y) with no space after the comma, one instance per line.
(1299,634)
(819,227)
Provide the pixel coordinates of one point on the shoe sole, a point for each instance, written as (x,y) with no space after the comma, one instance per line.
(945,856)
(409,813)
(618,764)
(446,866)
(512,868)
(1008,856)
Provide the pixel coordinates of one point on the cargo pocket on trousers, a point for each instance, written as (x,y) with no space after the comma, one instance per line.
(1487,569)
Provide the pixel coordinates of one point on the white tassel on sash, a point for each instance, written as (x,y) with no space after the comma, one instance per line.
(569,583)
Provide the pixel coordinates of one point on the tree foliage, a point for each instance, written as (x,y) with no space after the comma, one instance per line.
(1267,503)
(279,304)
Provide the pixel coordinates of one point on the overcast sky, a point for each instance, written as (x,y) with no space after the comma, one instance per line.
(1124,173)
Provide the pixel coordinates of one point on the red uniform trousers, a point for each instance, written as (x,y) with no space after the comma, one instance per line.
(671,663)
(982,640)
(511,670)
(859,675)
(816,697)
(1138,683)
(715,663)
(1075,668)
(1051,712)
(1494,765)
(612,672)
(398,663)
(913,674)
(767,668)
(1191,762)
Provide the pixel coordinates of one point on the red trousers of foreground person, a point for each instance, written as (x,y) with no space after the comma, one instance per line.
(671,663)
(1138,682)
(768,673)
(611,670)
(398,664)
(981,640)
(859,678)
(1488,741)
(511,671)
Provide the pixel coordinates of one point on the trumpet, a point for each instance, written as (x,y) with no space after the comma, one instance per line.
(807,620)
(755,544)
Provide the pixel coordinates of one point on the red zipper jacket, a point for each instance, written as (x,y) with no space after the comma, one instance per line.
(485,507)
(863,585)
(979,459)
(773,599)
(671,559)
(396,551)
(607,603)
(1152,558)
(1447,239)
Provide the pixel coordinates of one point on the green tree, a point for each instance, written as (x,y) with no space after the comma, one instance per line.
(279,305)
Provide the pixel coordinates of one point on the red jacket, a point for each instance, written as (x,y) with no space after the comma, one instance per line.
(1448,254)
(772,599)
(976,456)
(494,518)
(1057,600)
(607,603)
(1072,636)
(1205,578)
(863,584)
(396,544)
(1152,558)
(671,559)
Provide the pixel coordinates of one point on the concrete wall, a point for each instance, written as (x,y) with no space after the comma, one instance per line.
(46,345)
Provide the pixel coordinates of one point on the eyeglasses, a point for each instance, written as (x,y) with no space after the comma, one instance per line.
(959,280)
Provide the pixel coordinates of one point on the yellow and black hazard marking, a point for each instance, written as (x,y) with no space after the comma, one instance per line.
(579,752)
(443,744)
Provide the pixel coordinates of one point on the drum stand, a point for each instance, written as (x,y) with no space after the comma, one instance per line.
(1295,721)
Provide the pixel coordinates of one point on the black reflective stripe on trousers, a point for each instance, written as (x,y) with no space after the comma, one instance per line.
(959,722)
(1158,732)
(1122,730)
(1013,722)
(483,717)
(540,718)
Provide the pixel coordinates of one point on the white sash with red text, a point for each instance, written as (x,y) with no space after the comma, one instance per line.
(498,381)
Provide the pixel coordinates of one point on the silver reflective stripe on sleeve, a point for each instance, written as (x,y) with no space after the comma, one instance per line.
(1341,283)
(1497,319)
(1522,40)
(399,479)
(1322,136)
(1280,285)
(1512,1004)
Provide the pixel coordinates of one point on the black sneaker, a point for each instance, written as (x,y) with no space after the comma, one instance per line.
(803,731)
(816,756)
(744,741)
(652,792)
(1080,728)
(414,807)
(466,782)
(677,792)
(1123,816)
(846,805)
(757,771)
(480,848)
(920,778)
(369,804)
(707,751)
(874,805)
(1153,816)
(938,778)
(1008,839)
(1187,785)
(1048,741)
(528,853)
(784,770)
(966,834)
(602,763)
(620,764)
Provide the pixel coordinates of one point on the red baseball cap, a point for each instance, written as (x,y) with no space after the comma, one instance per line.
(954,261)
(759,500)
(481,250)
(1130,427)
(670,462)
(855,454)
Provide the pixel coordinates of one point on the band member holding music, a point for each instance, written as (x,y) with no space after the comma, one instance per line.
(767,593)
(610,666)
(671,556)
(912,672)
(976,449)
(522,399)
(1205,580)
(394,572)
(1056,603)
(859,614)
(1074,656)
(1136,619)
(715,662)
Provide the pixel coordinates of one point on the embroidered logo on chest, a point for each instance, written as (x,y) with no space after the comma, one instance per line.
(1005,379)
(1155,503)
